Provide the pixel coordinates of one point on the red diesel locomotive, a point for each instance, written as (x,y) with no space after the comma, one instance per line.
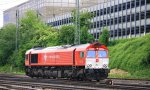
(83,62)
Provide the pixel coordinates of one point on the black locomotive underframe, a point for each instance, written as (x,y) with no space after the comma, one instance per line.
(69,72)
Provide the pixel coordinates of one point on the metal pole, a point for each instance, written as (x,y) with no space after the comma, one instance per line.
(96,20)
(103,13)
(140,18)
(78,17)
(126,20)
(99,19)
(122,20)
(118,29)
(106,13)
(135,19)
(114,21)
(145,22)
(17,30)
(110,21)
(130,20)
(77,31)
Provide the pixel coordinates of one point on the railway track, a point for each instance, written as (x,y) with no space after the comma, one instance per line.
(40,86)
(22,82)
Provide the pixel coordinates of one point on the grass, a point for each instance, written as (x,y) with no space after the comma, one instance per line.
(131,55)
(118,73)
(10,70)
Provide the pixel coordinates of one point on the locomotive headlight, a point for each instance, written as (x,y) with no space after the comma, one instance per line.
(105,65)
(89,65)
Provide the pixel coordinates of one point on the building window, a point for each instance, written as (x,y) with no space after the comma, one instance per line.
(119,7)
(132,4)
(115,8)
(137,3)
(124,6)
(128,5)
(112,9)
(108,10)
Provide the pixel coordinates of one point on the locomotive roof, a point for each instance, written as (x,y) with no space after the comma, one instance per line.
(81,46)
(58,47)
(67,47)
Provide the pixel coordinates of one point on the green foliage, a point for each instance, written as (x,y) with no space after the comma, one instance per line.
(85,36)
(32,32)
(104,37)
(85,21)
(9,69)
(132,55)
(66,34)
(7,42)
(85,18)
(32,28)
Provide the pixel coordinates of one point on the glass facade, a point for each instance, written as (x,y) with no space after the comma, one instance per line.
(124,18)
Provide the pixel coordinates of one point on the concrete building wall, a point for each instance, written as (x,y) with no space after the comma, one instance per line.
(124,18)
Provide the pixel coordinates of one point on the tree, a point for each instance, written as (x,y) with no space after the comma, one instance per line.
(104,37)
(33,32)
(66,34)
(85,18)
(85,22)
(86,37)
(7,42)
(30,24)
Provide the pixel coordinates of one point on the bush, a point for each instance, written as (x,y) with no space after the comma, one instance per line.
(104,37)
(132,55)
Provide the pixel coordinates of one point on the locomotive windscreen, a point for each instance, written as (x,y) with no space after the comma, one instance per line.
(91,54)
(102,53)
(34,58)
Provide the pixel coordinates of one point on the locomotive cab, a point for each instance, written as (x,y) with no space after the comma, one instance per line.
(96,61)
(97,58)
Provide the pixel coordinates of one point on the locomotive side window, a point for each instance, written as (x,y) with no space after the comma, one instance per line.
(91,54)
(102,53)
(81,54)
(26,57)
(34,58)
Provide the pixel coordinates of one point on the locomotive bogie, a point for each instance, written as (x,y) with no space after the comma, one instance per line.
(67,72)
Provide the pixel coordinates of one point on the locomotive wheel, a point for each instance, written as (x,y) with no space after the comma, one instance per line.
(97,80)
(80,77)
(89,77)
(109,82)
(54,77)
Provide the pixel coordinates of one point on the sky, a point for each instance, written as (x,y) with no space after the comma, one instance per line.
(6,4)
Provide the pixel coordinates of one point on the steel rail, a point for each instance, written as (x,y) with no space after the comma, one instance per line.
(64,84)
